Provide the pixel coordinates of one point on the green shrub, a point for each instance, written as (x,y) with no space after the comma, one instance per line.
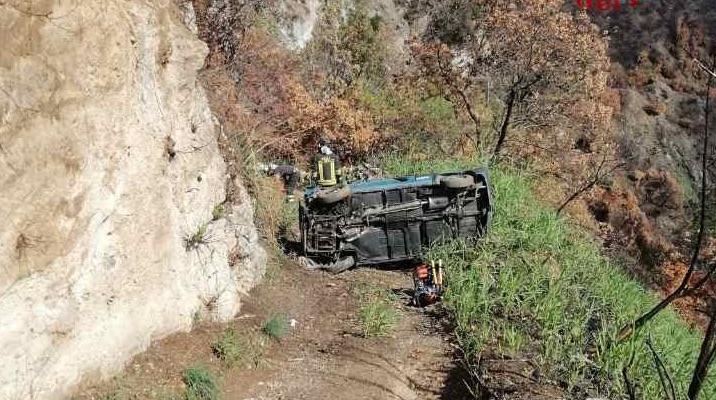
(193,241)
(201,384)
(276,327)
(227,348)
(218,212)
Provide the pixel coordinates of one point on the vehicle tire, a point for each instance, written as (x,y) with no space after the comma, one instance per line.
(341,265)
(457,181)
(333,195)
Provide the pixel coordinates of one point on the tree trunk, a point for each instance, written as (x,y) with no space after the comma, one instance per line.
(506,122)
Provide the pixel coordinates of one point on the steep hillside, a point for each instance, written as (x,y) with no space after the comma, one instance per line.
(653,48)
(109,175)
(439,85)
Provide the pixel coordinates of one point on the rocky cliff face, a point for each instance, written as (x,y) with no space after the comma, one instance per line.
(109,173)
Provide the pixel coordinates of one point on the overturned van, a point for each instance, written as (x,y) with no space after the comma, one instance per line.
(391,220)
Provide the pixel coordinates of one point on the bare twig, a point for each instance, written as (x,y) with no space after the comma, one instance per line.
(516,95)
(708,71)
(664,376)
(627,381)
(706,355)
(511,97)
(597,176)
(445,74)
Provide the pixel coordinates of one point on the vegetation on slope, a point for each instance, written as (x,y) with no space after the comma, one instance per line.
(538,287)
(547,292)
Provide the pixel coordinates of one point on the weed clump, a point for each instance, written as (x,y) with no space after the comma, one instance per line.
(218,212)
(233,349)
(198,238)
(201,384)
(227,349)
(376,314)
(276,327)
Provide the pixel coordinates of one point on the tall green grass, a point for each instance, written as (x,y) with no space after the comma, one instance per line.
(376,314)
(540,287)
(201,383)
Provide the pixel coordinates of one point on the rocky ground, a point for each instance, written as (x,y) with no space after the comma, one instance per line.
(325,356)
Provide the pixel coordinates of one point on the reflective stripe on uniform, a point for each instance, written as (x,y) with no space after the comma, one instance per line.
(326,169)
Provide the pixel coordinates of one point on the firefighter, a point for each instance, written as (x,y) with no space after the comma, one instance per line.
(289,174)
(327,165)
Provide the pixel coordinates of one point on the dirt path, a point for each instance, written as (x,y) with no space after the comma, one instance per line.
(323,357)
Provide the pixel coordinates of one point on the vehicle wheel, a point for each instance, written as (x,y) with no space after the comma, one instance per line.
(457,181)
(341,265)
(333,195)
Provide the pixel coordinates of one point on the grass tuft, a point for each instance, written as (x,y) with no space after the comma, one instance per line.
(193,241)
(276,327)
(233,349)
(227,348)
(537,279)
(376,314)
(201,384)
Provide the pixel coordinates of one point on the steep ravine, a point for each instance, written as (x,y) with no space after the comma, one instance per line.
(108,164)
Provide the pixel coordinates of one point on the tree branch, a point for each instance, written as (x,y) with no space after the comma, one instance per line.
(706,355)
(597,176)
(627,381)
(511,97)
(463,97)
(664,376)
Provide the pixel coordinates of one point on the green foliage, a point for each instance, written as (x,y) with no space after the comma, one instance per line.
(289,216)
(227,348)
(376,314)
(360,36)
(398,164)
(196,239)
(201,384)
(535,277)
(437,109)
(384,103)
(218,212)
(540,285)
(233,349)
(687,188)
(276,327)
(350,48)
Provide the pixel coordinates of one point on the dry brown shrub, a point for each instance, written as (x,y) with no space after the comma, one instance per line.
(638,78)
(655,109)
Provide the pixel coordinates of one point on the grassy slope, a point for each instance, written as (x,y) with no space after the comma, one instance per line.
(539,287)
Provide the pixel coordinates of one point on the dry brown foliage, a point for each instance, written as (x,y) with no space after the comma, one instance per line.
(562,53)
